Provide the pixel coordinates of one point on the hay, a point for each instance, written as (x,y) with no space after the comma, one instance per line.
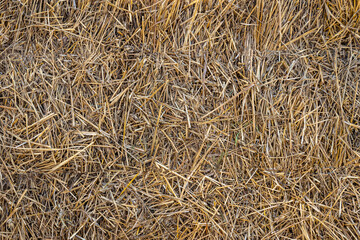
(179,119)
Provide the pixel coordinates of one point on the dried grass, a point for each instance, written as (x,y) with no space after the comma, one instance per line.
(179,119)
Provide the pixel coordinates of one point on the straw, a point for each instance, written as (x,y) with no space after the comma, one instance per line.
(179,119)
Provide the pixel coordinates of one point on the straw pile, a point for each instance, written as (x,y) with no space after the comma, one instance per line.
(180,119)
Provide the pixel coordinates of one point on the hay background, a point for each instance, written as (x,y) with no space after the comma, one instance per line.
(179,119)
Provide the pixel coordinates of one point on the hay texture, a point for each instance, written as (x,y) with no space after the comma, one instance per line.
(180,119)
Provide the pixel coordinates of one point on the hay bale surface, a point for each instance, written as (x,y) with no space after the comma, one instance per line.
(179,119)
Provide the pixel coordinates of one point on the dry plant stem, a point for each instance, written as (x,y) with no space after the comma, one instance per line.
(180,119)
